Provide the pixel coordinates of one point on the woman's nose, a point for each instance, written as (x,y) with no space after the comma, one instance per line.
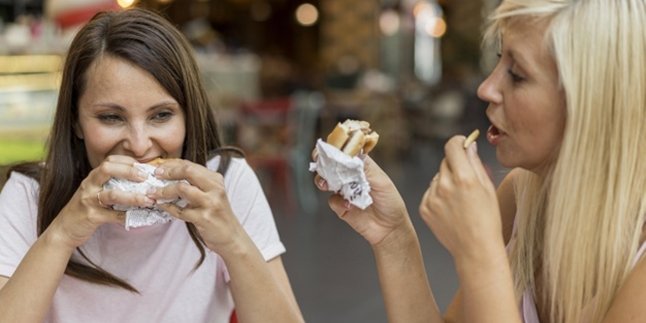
(489,89)
(139,141)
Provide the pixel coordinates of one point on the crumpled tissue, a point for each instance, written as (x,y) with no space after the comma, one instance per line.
(143,216)
(344,174)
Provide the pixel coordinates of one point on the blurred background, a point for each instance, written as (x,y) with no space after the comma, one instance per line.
(280,74)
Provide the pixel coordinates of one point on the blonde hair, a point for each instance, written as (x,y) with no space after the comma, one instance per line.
(579,225)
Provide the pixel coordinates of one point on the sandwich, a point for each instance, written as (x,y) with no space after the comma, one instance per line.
(353,137)
(144,216)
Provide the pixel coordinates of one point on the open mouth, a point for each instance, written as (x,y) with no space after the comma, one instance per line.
(494,134)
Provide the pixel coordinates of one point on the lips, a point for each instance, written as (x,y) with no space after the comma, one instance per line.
(494,135)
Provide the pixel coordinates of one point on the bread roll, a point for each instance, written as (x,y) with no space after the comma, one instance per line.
(156,162)
(353,137)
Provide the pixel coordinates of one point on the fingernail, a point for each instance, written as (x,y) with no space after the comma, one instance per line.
(322,183)
(151,190)
(142,174)
(159,171)
(148,202)
(347,205)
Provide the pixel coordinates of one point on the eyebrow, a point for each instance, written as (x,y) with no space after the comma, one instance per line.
(520,59)
(121,108)
(516,55)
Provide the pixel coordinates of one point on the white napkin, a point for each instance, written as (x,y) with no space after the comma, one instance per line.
(143,216)
(343,173)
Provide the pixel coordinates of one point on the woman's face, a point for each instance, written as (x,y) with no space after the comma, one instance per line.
(125,111)
(527,106)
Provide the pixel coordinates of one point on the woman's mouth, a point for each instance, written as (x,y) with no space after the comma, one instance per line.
(494,135)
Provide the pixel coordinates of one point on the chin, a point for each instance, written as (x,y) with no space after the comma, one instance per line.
(509,160)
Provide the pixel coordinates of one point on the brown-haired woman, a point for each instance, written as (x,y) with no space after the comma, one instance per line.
(131,93)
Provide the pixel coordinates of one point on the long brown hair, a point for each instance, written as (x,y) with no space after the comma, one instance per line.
(149,41)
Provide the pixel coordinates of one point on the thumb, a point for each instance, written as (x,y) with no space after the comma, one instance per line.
(476,163)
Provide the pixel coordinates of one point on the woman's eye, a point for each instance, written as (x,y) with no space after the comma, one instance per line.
(109,118)
(515,78)
(162,116)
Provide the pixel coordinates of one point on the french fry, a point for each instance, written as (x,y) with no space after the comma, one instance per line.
(471,138)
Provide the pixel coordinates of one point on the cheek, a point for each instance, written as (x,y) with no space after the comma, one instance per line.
(98,143)
(543,135)
(172,140)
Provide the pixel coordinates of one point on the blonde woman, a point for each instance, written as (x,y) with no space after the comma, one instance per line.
(567,104)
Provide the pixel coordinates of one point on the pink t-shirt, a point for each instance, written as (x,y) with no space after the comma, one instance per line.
(157,260)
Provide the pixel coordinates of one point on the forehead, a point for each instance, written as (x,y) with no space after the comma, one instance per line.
(526,40)
(114,80)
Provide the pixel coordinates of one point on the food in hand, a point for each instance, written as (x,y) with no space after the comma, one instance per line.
(471,138)
(156,162)
(353,137)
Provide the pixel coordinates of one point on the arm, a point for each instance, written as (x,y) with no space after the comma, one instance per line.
(402,276)
(255,286)
(27,295)
(387,227)
(260,288)
(507,204)
(26,299)
(462,209)
(628,304)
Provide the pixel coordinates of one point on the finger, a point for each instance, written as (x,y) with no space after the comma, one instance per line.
(375,175)
(339,205)
(463,167)
(176,211)
(315,154)
(455,154)
(128,164)
(180,190)
(424,210)
(320,183)
(476,163)
(108,198)
(197,175)
(445,172)
(117,217)
(442,186)
(108,169)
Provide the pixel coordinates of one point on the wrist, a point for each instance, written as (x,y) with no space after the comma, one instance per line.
(241,247)
(398,239)
(56,239)
(491,255)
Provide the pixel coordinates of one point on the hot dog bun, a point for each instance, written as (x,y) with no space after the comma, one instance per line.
(353,137)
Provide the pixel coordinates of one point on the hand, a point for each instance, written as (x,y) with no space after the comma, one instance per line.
(89,207)
(383,216)
(208,205)
(460,206)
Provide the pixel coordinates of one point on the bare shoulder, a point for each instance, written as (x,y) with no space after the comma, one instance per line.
(3,281)
(628,305)
(507,202)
